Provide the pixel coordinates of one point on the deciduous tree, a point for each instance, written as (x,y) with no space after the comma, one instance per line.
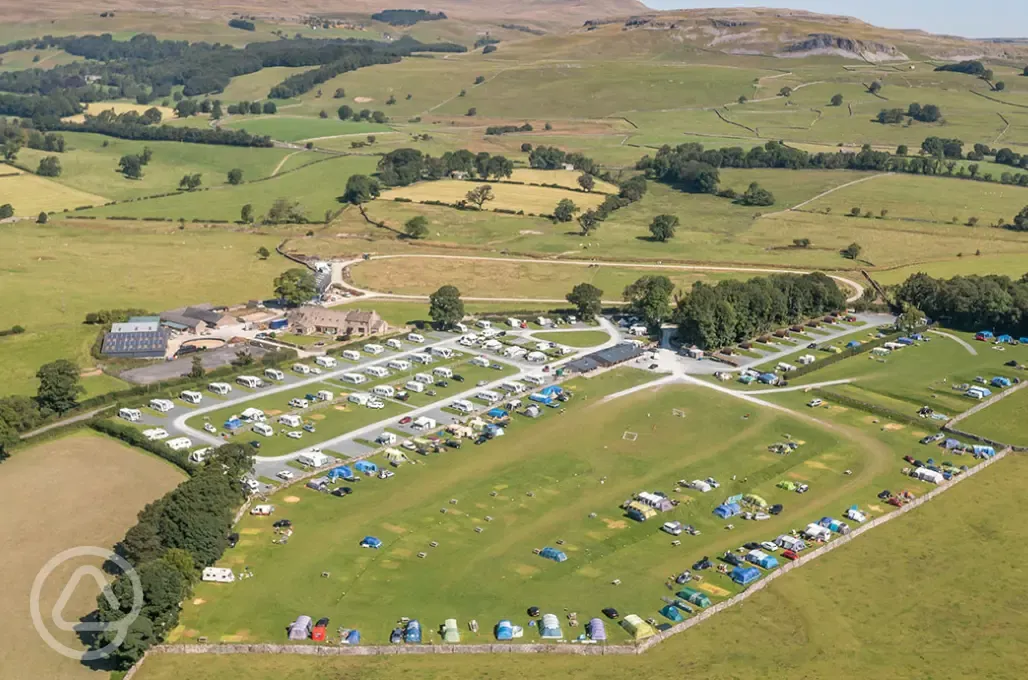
(587,300)
(296,286)
(480,195)
(565,210)
(663,227)
(445,306)
(416,227)
(58,386)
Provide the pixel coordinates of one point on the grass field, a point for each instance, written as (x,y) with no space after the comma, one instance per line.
(101,469)
(531,199)
(567,482)
(574,338)
(1003,421)
(483,278)
(53,275)
(316,187)
(398,313)
(293,128)
(565,178)
(30,194)
(850,611)
(95,109)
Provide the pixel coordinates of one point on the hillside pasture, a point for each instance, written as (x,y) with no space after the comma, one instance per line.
(295,128)
(30,194)
(1005,420)
(101,468)
(565,178)
(96,108)
(531,199)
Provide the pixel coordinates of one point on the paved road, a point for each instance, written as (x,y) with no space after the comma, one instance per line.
(338,268)
(67,421)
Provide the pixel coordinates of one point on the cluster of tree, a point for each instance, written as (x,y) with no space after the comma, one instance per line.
(630,191)
(943,148)
(44,142)
(445,307)
(252,108)
(189,182)
(970,303)
(587,299)
(131,165)
(58,393)
(155,133)
(733,311)
(971,67)
(552,158)
(406,17)
(346,112)
(105,317)
(504,129)
(36,106)
(282,211)
(242,24)
(485,41)
(406,166)
(49,166)
(296,286)
(929,113)
(175,537)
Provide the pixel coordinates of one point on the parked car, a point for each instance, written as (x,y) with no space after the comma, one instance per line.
(802,488)
(458,377)
(210,428)
(396,637)
(406,420)
(812,345)
(442,383)
(309,428)
(932,438)
(285,474)
(342,491)
(453,443)
(713,482)
(683,578)
(282,524)
(386,474)
(884,495)
(732,559)
(751,546)
(295,434)
(789,554)
(255,444)
(769,546)
(496,367)
(704,563)
(610,613)
(233,539)
(533,612)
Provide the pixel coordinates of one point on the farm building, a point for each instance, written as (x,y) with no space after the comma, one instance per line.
(197,318)
(605,358)
(309,319)
(139,338)
(745,575)
(596,630)
(549,627)
(217,575)
(553,554)
(637,628)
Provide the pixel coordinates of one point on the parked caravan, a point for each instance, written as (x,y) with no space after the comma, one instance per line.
(442,372)
(351,355)
(290,420)
(462,405)
(421,358)
(488,396)
(377,371)
(191,397)
(384,391)
(424,378)
(161,405)
(263,429)
(393,343)
(220,388)
(483,323)
(328,362)
(179,443)
(373,349)
(481,361)
(324,395)
(250,381)
(133,415)
(274,374)
(444,352)
(415,337)
(359,398)
(415,386)
(399,365)
(302,369)
(253,415)
(354,378)
(200,455)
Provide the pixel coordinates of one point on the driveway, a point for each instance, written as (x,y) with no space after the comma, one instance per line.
(176,368)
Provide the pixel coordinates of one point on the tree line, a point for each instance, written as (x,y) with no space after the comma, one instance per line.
(155,133)
(401,167)
(58,393)
(406,17)
(971,303)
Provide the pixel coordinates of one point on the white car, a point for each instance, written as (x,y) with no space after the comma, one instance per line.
(315,370)
(285,474)
(386,474)
(713,482)
(814,403)
(295,434)
(409,445)
(375,404)
(769,546)
(802,488)
(210,428)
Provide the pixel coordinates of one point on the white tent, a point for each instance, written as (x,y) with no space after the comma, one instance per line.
(218,575)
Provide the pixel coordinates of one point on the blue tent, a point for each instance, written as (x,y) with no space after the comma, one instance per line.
(504,630)
(552,390)
(984,334)
(853,343)
(540,398)
(553,554)
(825,521)
(497,413)
(1000,381)
(413,633)
(672,613)
(745,575)
(1004,339)
(233,424)
(365,467)
(768,562)
(951,444)
(353,637)
(596,630)
(371,542)
(983,451)
(726,510)
(768,378)
(1023,341)
(340,472)
(905,341)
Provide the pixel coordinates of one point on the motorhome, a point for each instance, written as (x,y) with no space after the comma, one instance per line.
(191,397)
(133,415)
(302,369)
(399,365)
(355,378)
(161,405)
(263,429)
(384,391)
(373,349)
(415,337)
(249,381)
(274,374)
(330,362)
(220,388)
(377,371)
(415,386)
(351,355)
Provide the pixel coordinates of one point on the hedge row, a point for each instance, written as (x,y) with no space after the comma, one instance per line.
(845,354)
(926,423)
(131,435)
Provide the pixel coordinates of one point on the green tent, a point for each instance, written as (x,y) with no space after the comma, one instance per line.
(787,485)
(672,613)
(754,499)
(694,596)
(637,628)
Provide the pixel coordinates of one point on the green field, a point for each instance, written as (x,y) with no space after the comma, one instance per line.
(574,338)
(1003,421)
(292,128)
(545,491)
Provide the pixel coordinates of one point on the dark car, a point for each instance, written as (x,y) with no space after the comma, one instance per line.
(885,495)
(812,345)
(458,378)
(496,367)
(482,440)
(453,443)
(789,555)
(654,366)
(233,539)
(610,612)
(732,559)
(442,383)
(909,459)
(533,611)
(342,491)
(1012,362)
(402,396)
(282,523)
(751,546)
(663,626)
(918,463)
(705,563)
(775,509)
(322,622)
(396,637)
(255,444)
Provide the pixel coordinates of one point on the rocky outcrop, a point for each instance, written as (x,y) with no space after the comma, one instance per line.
(827,43)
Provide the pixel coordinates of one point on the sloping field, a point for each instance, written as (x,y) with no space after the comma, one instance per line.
(531,199)
(119,108)
(293,128)
(97,470)
(31,194)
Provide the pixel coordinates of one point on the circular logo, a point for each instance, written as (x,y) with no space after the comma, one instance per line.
(120,626)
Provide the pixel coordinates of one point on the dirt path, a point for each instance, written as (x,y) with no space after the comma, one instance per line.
(833,189)
(970,348)
(283,161)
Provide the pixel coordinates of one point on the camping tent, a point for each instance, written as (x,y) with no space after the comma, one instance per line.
(371,542)
(1004,339)
(787,485)
(951,444)
(504,630)
(672,613)
(839,527)
(693,596)
(637,628)
(816,531)
(764,560)
(413,633)
(365,467)
(553,554)
(540,398)
(552,390)
(790,543)
(550,627)
(726,510)
(745,575)
(926,475)
(596,630)
(853,343)
(353,637)
(497,413)
(342,471)
(233,423)
(451,634)
(1000,381)
(756,500)
(301,628)
(768,378)
(983,451)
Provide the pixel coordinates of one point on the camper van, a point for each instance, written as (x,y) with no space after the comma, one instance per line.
(462,405)
(179,443)
(535,379)
(512,386)
(377,371)
(424,378)
(415,337)
(482,323)
(191,397)
(263,509)
(290,420)
(155,434)
(421,358)
(220,388)
(249,381)
(393,343)
(325,395)
(384,391)
(253,415)
(274,374)
(359,398)
(312,459)
(263,429)
(442,372)
(415,386)
(444,352)
(297,402)
(302,369)
(374,349)
(488,396)
(161,405)
(200,455)
(330,362)
(355,378)
(399,365)
(133,415)
(351,355)
(481,361)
